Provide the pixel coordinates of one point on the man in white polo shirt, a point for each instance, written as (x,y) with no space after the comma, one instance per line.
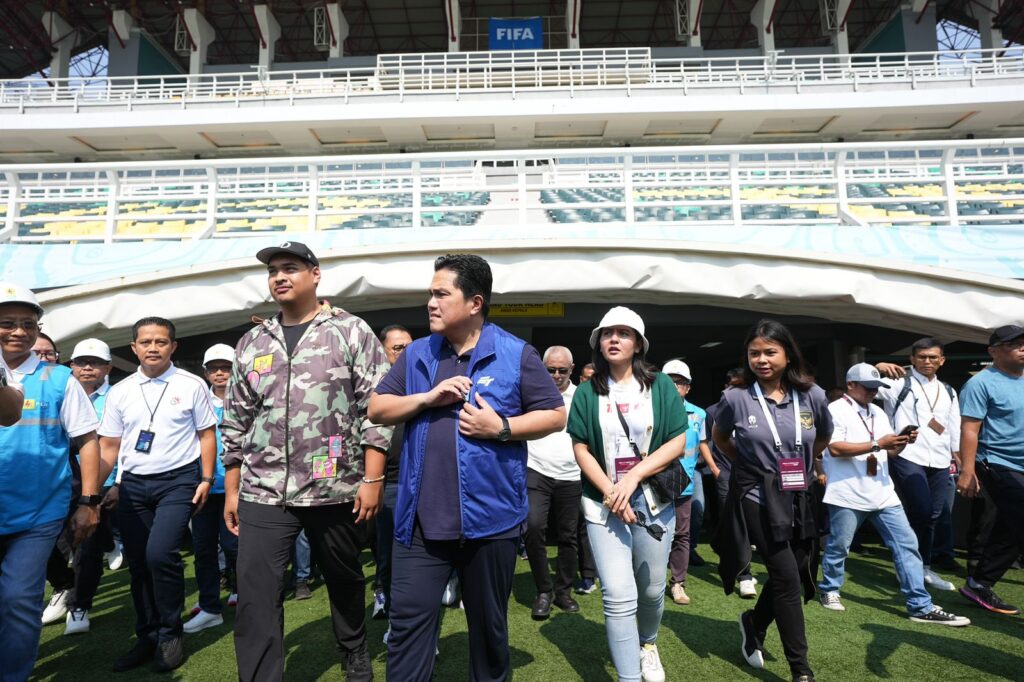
(161,424)
(860,489)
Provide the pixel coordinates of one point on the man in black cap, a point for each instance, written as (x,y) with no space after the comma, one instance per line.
(992,454)
(300,454)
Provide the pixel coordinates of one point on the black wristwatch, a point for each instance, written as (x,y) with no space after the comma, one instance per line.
(208,479)
(505,435)
(89,500)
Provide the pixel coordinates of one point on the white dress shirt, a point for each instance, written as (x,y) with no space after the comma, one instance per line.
(135,404)
(931,449)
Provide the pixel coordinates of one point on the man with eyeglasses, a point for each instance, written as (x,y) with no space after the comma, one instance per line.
(553,486)
(35,478)
(394,338)
(992,455)
(91,365)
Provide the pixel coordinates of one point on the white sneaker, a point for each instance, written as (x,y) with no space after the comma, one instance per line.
(747,589)
(233,599)
(451,591)
(650,664)
(77,622)
(115,557)
(933,579)
(57,608)
(203,620)
(830,600)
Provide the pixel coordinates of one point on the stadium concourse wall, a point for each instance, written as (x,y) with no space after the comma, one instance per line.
(863,288)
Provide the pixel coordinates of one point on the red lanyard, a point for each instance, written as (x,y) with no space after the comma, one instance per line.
(871,429)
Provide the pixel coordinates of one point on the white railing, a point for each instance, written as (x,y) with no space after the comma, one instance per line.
(516,73)
(951,183)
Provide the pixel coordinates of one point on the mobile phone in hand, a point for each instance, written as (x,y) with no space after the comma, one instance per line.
(908,429)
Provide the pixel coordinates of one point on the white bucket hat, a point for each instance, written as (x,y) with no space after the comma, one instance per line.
(620,316)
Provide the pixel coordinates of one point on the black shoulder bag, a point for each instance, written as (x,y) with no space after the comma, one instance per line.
(668,483)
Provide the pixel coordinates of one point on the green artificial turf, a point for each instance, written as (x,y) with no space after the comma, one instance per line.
(872,639)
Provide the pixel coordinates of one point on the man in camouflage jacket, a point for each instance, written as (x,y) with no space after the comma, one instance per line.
(299,453)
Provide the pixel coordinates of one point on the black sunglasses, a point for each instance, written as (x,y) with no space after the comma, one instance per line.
(558,370)
(653,529)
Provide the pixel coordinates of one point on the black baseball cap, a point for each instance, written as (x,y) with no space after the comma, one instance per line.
(297,249)
(1004,334)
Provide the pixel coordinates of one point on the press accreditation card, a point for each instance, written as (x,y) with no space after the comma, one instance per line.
(792,475)
(145,442)
(623,465)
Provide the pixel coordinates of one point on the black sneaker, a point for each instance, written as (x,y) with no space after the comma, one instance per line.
(170,654)
(541,606)
(751,646)
(357,665)
(940,617)
(987,599)
(142,652)
(302,590)
(566,603)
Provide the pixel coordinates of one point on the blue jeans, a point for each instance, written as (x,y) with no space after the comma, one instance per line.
(632,566)
(300,557)
(891,523)
(23,559)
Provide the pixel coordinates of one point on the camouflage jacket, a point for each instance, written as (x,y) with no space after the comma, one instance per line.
(297,425)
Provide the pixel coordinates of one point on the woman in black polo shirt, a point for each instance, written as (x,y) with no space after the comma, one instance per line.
(768,504)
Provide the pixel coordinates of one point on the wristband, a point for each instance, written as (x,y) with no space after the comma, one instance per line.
(380,478)
(208,479)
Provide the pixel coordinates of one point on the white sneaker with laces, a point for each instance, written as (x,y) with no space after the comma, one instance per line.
(451,591)
(77,622)
(933,579)
(747,589)
(57,608)
(203,620)
(830,600)
(650,664)
(115,557)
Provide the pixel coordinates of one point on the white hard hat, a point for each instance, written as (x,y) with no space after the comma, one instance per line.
(91,348)
(677,367)
(219,351)
(15,293)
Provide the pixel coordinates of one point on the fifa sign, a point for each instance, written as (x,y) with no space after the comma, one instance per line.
(516,34)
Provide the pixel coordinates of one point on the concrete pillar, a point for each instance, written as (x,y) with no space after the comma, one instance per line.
(121,24)
(338,28)
(201,34)
(572,24)
(453,24)
(761,17)
(991,37)
(63,38)
(840,36)
(688,22)
(270,31)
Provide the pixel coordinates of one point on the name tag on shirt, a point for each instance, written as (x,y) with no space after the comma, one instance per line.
(935,426)
(145,442)
(623,466)
(792,475)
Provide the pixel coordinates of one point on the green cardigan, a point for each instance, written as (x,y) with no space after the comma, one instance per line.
(584,423)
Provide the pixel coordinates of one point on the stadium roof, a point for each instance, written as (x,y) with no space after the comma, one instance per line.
(402,26)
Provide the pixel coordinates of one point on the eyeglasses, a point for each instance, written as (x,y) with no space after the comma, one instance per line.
(399,347)
(653,529)
(51,355)
(679,381)
(89,362)
(27,325)
(559,370)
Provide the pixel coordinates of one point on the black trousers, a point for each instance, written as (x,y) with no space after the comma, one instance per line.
(923,492)
(722,492)
(780,600)
(419,574)
(1005,488)
(91,555)
(153,513)
(560,500)
(584,555)
(265,539)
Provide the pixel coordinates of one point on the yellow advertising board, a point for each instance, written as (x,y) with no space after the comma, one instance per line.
(528,310)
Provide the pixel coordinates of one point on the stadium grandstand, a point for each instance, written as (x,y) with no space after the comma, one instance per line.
(852,167)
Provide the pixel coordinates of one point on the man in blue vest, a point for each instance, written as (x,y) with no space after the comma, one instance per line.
(35,478)
(470,395)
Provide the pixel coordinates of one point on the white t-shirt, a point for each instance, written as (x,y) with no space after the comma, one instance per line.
(931,449)
(77,415)
(135,404)
(849,484)
(552,455)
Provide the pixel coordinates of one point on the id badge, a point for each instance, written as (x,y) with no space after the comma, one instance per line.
(872,465)
(623,466)
(792,475)
(145,442)
(935,426)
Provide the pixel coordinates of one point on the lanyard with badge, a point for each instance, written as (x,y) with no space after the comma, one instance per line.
(792,474)
(872,460)
(145,442)
(933,423)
